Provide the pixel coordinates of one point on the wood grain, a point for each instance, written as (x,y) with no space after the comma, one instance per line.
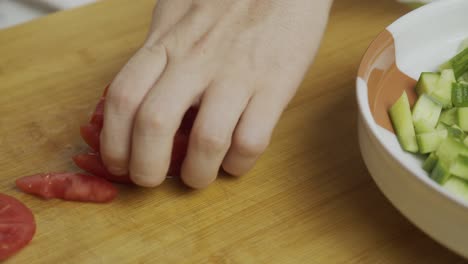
(310,199)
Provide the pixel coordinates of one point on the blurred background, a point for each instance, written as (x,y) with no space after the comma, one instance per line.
(14,12)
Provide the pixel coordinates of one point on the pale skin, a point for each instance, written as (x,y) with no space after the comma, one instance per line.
(241,61)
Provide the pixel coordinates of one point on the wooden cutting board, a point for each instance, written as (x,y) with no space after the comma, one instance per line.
(310,199)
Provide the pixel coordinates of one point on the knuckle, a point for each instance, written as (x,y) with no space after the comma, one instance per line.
(250,146)
(120,100)
(148,120)
(154,48)
(208,140)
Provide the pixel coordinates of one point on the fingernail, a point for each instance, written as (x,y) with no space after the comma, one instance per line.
(117,171)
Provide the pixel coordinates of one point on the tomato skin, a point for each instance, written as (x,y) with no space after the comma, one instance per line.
(90,134)
(17,226)
(92,163)
(97,119)
(68,186)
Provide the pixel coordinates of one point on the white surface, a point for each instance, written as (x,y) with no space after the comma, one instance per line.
(13,12)
(436,42)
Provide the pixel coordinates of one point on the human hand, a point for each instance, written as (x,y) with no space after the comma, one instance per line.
(241,61)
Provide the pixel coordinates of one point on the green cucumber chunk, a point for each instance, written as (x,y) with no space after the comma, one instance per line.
(457,186)
(426,113)
(400,114)
(459,167)
(460,94)
(430,141)
(430,162)
(443,91)
(459,63)
(450,148)
(427,82)
(448,117)
(441,172)
(462,118)
(463,45)
(456,132)
(463,79)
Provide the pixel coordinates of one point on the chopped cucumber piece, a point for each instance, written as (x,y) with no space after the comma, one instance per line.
(448,117)
(463,45)
(427,82)
(426,113)
(430,162)
(457,186)
(400,114)
(462,118)
(456,132)
(443,90)
(459,167)
(459,63)
(440,173)
(460,94)
(450,148)
(463,79)
(430,141)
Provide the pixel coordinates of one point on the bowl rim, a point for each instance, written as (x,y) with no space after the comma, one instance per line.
(372,126)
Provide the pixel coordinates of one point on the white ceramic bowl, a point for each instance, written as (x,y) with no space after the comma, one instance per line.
(417,42)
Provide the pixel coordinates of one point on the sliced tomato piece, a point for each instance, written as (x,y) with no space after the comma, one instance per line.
(17,226)
(68,186)
(92,163)
(90,134)
(179,150)
(188,120)
(97,119)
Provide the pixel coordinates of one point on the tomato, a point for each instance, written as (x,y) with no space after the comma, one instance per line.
(17,226)
(97,119)
(90,134)
(92,163)
(68,186)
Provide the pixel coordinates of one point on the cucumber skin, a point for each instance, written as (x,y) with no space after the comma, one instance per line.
(460,94)
(402,120)
(459,63)
(462,118)
(440,173)
(430,162)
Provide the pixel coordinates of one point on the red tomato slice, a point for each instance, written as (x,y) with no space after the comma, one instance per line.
(17,226)
(97,118)
(179,150)
(92,163)
(90,134)
(68,186)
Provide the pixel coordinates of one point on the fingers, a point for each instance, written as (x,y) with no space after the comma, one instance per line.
(211,134)
(158,119)
(123,99)
(253,131)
